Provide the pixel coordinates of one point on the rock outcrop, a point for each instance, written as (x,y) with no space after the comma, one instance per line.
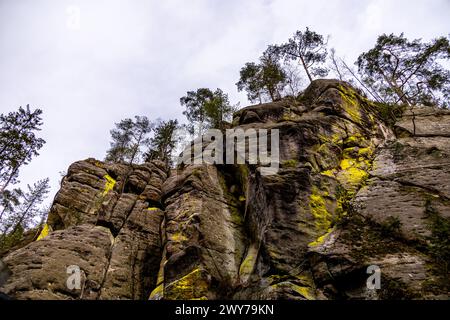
(351,192)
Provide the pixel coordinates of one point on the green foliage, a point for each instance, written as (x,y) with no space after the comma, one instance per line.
(11,239)
(18,145)
(250,81)
(162,143)
(8,200)
(389,112)
(195,102)
(407,71)
(218,110)
(309,49)
(24,213)
(266,79)
(128,139)
(18,142)
(206,109)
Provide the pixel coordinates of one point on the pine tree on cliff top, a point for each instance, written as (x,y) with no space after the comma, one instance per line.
(206,109)
(128,139)
(409,72)
(263,80)
(309,49)
(162,143)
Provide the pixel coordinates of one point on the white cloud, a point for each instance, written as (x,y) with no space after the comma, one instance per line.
(373,16)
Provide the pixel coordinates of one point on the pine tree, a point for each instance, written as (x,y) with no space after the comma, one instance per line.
(18,142)
(26,213)
(410,72)
(309,49)
(206,109)
(162,143)
(264,80)
(18,145)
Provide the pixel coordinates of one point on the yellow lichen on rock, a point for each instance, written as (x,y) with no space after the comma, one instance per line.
(328,173)
(334,138)
(157,293)
(317,205)
(354,140)
(153,209)
(303,285)
(306,292)
(192,286)
(365,152)
(177,237)
(248,264)
(45,231)
(353,172)
(320,240)
(109,185)
(351,104)
(99,164)
(357,162)
(354,176)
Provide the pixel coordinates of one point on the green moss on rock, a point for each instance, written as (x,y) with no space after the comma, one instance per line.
(192,286)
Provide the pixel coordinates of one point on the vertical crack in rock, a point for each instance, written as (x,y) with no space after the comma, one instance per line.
(111,249)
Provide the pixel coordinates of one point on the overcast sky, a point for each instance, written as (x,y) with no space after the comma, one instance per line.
(126,58)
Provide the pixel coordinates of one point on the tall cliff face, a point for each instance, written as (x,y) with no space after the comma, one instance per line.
(351,192)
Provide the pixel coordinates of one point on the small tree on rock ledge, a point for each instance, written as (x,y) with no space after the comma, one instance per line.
(129,137)
(309,49)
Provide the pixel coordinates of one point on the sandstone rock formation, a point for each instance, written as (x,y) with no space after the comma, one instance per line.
(351,192)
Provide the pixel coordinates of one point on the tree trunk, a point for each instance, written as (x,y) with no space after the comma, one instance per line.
(401,95)
(16,169)
(271,93)
(398,91)
(136,149)
(2,213)
(306,69)
(22,217)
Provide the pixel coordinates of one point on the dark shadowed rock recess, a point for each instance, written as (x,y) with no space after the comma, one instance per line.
(351,192)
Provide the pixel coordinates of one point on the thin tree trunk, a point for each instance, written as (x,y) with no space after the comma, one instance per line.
(2,189)
(375,96)
(16,169)
(22,217)
(394,86)
(401,95)
(136,149)
(272,97)
(306,69)
(1,214)
(337,69)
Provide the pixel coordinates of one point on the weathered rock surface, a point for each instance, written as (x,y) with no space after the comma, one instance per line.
(350,192)
(106,220)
